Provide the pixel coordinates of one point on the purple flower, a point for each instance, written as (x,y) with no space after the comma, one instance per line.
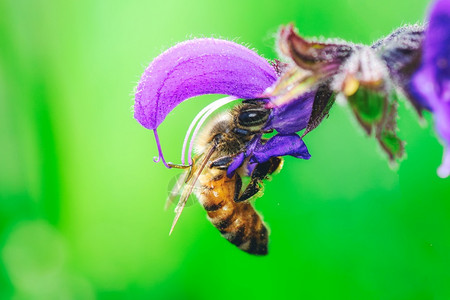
(280,145)
(213,66)
(432,82)
(260,150)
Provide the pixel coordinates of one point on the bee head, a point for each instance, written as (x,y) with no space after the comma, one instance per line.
(251,116)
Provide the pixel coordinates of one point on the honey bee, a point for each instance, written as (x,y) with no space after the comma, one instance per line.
(224,199)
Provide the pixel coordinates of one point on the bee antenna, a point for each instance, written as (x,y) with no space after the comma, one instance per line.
(206,110)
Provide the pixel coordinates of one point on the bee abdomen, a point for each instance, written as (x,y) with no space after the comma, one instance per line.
(239,223)
(213,206)
(243,228)
(257,239)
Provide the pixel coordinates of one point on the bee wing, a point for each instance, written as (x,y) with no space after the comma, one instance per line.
(189,187)
(176,190)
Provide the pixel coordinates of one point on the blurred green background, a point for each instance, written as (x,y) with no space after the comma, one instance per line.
(81,201)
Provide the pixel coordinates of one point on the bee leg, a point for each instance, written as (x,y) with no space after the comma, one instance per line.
(275,164)
(267,131)
(254,186)
(177,166)
(222,163)
(258,175)
(237,187)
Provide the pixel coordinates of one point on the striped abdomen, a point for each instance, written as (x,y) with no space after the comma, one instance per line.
(237,222)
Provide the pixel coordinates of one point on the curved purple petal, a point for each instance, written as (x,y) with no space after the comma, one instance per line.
(251,146)
(432,81)
(198,67)
(293,116)
(235,164)
(280,145)
(239,159)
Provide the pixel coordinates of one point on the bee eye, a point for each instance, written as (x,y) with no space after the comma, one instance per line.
(253,117)
(218,137)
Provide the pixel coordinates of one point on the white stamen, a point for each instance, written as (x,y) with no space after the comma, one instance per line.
(191,126)
(212,107)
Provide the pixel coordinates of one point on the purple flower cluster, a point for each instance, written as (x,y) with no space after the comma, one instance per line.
(301,92)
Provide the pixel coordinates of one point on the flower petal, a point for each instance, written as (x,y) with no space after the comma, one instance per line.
(432,81)
(425,82)
(437,42)
(235,164)
(402,51)
(311,55)
(444,169)
(322,103)
(293,116)
(198,67)
(239,159)
(314,62)
(436,58)
(280,145)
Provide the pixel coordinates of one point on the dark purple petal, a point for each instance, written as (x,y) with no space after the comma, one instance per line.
(235,164)
(252,145)
(432,81)
(311,55)
(323,101)
(402,52)
(280,145)
(293,116)
(313,62)
(239,159)
(198,67)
